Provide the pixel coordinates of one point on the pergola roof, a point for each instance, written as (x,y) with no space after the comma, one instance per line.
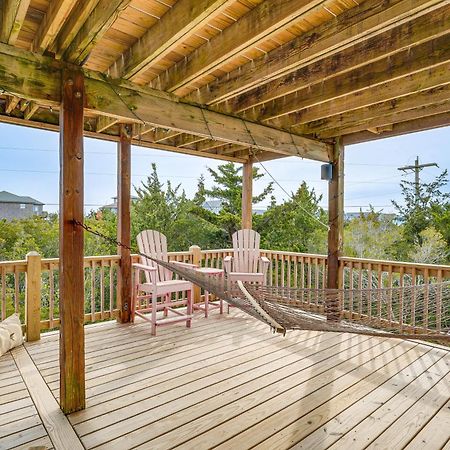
(299,72)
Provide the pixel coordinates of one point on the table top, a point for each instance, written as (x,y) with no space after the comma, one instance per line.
(210,270)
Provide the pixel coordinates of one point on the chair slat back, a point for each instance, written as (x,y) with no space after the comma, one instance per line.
(245,251)
(154,244)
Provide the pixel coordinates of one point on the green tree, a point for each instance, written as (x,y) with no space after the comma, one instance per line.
(372,235)
(228,190)
(294,225)
(423,204)
(432,248)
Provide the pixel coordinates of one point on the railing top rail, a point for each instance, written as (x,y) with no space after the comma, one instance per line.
(422,266)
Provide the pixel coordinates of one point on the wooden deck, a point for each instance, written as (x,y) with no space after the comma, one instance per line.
(229,383)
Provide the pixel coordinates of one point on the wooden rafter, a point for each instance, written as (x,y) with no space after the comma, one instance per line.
(13,16)
(183,20)
(72,26)
(261,22)
(54,18)
(31,108)
(370,76)
(105,122)
(96,25)
(411,126)
(130,103)
(370,18)
(416,82)
(11,104)
(397,39)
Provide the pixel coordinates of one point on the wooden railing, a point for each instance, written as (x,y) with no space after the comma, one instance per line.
(288,269)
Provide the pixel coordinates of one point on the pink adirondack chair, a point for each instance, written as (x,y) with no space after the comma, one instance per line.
(246,264)
(158,285)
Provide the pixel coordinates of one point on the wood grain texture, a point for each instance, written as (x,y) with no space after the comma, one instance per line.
(71,263)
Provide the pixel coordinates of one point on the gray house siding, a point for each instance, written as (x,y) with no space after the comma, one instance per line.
(10,211)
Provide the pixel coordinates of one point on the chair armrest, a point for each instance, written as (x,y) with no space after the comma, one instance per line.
(183,264)
(227,264)
(144,267)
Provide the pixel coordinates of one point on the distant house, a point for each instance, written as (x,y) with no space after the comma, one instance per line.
(113,206)
(215,205)
(17,207)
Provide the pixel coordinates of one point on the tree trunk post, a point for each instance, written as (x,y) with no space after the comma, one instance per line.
(33,297)
(196,253)
(336,218)
(124,222)
(71,243)
(247,194)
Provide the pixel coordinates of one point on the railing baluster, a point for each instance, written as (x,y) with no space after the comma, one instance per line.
(380,286)
(92,291)
(439,302)
(400,300)
(426,299)
(16,290)
(3,294)
(102,290)
(413,299)
(51,298)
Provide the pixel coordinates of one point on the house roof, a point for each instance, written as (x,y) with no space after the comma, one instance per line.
(7,197)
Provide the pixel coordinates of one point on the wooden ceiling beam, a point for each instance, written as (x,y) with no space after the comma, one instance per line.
(11,103)
(259,23)
(393,90)
(183,20)
(105,122)
(31,108)
(57,13)
(72,26)
(13,16)
(412,126)
(38,78)
(369,116)
(370,18)
(371,76)
(96,25)
(379,124)
(400,38)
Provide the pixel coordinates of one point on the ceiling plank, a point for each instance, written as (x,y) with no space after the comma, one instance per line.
(72,26)
(96,25)
(412,126)
(417,82)
(379,123)
(11,104)
(184,19)
(104,122)
(13,16)
(352,27)
(377,111)
(261,22)
(38,78)
(399,39)
(56,15)
(424,56)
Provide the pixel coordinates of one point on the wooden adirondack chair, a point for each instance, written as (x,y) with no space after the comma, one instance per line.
(159,284)
(246,264)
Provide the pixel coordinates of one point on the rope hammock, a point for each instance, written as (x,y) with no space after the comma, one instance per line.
(385,312)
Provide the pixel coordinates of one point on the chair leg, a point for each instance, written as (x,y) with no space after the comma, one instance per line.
(189,308)
(206,303)
(166,310)
(153,321)
(221,306)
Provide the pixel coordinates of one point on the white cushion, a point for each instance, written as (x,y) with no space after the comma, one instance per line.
(10,333)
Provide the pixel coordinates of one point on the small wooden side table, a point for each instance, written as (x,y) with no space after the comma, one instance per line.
(212,272)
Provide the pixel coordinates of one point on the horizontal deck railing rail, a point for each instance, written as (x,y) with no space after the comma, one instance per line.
(287,269)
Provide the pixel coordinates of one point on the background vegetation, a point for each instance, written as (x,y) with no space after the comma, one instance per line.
(420,231)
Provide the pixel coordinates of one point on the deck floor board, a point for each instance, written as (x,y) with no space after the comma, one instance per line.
(228,383)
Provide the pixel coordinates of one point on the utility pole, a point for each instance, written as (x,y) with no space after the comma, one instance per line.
(416,168)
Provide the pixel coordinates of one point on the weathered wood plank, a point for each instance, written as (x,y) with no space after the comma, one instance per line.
(13,16)
(368,77)
(247,195)
(57,13)
(261,22)
(184,19)
(398,39)
(39,79)
(370,18)
(55,422)
(96,25)
(71,264)
(336,217)
(124,287)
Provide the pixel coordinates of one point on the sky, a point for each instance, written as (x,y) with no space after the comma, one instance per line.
(29,165)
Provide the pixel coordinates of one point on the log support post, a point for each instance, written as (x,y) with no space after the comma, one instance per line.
(247,194)
(124,222)
(33,297)
(196,253)
(336,219)
(71,243)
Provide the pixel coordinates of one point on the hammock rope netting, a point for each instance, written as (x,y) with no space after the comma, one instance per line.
(383,312)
